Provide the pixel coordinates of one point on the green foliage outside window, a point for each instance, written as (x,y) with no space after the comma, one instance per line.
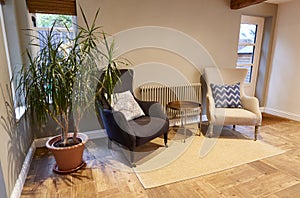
(47,20)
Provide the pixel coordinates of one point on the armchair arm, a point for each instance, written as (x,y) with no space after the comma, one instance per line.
(252,104)
(117,128)
(210,104)
(153,109)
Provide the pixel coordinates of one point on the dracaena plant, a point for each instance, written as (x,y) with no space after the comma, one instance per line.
(59,79)
(111,72)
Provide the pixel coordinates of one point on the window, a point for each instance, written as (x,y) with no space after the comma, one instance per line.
(63,26)
(249,45)
(246,48)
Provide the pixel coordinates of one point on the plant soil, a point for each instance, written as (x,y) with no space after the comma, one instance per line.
(70,142)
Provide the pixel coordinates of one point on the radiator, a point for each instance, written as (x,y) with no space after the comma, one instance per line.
(166,94)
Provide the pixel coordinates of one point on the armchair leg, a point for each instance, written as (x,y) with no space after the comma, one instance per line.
(166,140)
(233,127)
(200,123)
(200,128)
(255,133)
(210,130)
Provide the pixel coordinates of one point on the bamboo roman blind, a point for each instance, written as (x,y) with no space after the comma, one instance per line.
(65,7)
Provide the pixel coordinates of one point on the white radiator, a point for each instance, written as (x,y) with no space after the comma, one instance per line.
(166,94)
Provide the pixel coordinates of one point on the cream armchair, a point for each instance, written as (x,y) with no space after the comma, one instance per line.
(248,114)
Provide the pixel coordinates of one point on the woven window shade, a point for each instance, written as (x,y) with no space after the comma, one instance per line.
(65,7)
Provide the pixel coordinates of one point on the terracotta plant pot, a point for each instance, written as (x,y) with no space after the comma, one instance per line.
(68,159)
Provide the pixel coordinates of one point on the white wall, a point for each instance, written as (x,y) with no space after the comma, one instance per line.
(16,24)
(4,131)
(284,93)
(15,136)
(210,23)
(4,79)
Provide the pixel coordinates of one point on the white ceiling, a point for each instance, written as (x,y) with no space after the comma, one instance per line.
(278,1)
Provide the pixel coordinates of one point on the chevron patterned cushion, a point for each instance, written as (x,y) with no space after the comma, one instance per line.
(226,96)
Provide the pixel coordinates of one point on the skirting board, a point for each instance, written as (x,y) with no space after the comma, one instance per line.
(177,121)
(41,142)
(283,114)
(16,193)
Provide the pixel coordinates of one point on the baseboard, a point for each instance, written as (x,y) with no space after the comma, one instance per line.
(37,143)
(190,120)
(16,193)
(283,114)
(204,118)
(99,133)
(95,134)
(41,142)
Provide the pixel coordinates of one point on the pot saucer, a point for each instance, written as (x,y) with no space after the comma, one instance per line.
(56,170)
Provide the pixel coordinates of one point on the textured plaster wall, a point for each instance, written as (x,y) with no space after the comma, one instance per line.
(15,136)
(284,93)
(211,23)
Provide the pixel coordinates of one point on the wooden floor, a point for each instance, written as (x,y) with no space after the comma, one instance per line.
(277,176)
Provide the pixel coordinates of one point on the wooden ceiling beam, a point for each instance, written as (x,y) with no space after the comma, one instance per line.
(237,4)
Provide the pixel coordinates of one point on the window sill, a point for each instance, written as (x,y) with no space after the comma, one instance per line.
(20,111)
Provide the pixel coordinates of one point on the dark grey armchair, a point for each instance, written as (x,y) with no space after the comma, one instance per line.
(136,132)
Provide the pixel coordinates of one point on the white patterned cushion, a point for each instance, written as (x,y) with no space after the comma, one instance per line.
(226,96)
(125,103)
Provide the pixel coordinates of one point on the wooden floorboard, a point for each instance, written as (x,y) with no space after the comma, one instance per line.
(274,177)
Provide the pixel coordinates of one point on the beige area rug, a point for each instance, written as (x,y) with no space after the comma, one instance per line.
(157,165)
(182,161)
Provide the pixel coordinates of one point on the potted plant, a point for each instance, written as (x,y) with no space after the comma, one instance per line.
(59,83)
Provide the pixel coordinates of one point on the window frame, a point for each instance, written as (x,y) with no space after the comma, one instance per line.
(259,22)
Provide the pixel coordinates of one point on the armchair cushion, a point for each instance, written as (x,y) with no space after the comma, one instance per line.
(147,128)
(124,102)
(226,96)
(227,116)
